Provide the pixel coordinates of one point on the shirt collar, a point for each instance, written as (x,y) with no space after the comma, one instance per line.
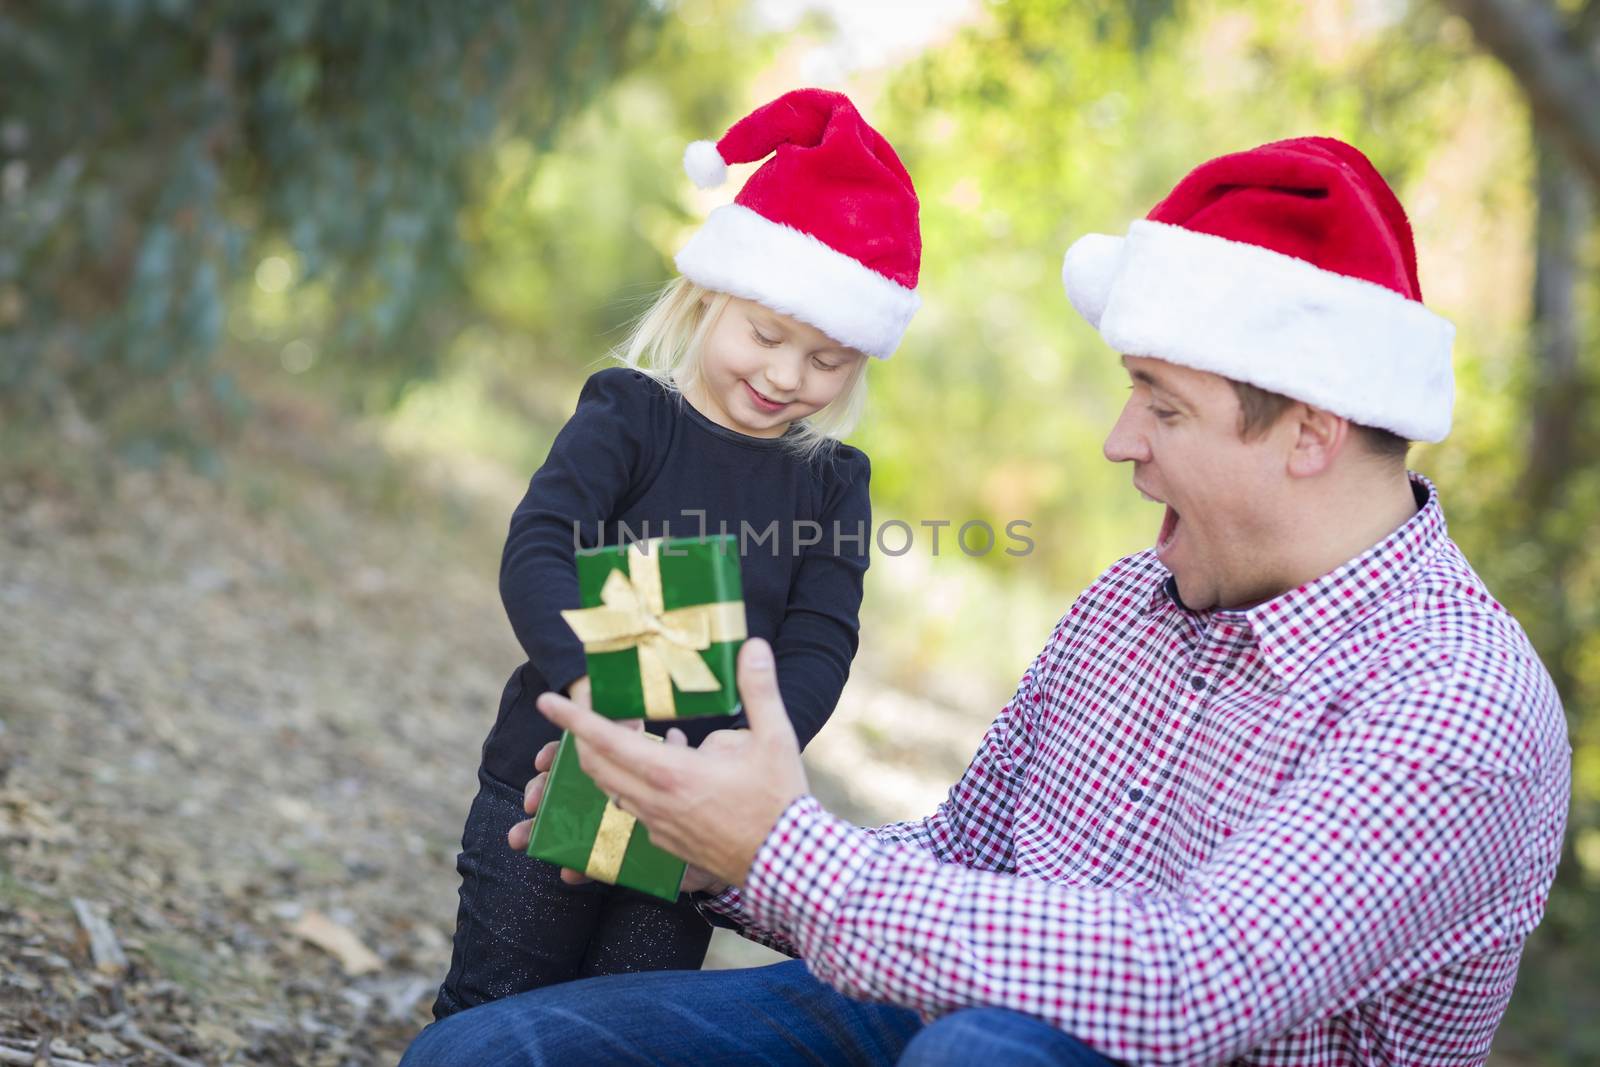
(1293,628)
(1163,592)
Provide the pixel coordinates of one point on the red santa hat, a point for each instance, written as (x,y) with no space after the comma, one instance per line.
(825,231)
(1290,267)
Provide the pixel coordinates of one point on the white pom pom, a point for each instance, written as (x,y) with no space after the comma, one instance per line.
(1088,271)
(704,164)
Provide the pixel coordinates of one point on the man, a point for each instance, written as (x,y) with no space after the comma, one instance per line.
(1290,787)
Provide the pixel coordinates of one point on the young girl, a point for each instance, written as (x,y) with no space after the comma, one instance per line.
(726,417)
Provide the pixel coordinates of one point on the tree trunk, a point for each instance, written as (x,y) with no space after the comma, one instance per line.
(1552,62)
(1557,385)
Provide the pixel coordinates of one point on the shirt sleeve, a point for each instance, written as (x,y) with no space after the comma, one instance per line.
(817,639)
(972,826)
(598,456)
(1396,829)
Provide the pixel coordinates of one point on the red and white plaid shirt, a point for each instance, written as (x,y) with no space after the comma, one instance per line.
(1316,831)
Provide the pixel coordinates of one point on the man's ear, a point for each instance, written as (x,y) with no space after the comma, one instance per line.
(1319,437)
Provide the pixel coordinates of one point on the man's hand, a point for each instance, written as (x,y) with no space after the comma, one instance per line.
(694,879)
(713,806)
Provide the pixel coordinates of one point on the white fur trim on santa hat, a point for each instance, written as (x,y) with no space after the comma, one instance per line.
(704,164)
(1344,344)
(743,253)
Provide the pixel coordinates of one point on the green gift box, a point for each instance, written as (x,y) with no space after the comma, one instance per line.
(661,625)
(579,827)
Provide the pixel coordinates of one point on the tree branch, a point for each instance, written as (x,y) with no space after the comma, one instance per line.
(1557,393)
(1560,81)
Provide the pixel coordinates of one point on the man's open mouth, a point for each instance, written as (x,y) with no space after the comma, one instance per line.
(1169,528)
(1169,521)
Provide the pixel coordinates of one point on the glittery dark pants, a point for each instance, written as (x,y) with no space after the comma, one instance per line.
(519,927)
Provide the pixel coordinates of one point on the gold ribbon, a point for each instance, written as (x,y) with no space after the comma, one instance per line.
(610,844)
(611,840)
(632,615)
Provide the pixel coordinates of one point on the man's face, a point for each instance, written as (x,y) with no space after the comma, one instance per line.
(1218,535)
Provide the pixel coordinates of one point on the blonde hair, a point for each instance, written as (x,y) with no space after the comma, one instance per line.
(665,344)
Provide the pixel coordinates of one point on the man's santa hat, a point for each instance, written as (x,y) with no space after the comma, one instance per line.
(825,231)
(1290,267)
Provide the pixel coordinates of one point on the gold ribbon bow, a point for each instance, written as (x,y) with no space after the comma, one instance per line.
(632,615)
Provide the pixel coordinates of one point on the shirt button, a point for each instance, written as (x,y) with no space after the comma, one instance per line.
(1136,794)
(1198,682)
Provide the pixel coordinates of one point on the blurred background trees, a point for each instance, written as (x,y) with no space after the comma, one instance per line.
(441,218)
(1538,540)
(159,154)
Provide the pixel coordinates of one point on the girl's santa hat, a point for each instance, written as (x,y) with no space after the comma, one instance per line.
(1290,267)
(825,231)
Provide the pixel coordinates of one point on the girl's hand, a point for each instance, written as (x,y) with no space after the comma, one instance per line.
(533,792)
(578,692)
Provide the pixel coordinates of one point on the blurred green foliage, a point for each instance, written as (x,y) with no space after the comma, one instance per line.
(570,244)
(1052,119)
(156,152)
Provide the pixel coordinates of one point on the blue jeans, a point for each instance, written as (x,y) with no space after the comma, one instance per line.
(773,1015)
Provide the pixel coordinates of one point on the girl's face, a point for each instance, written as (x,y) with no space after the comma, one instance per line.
(760,370)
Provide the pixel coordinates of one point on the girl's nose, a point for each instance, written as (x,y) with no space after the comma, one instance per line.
(783,374)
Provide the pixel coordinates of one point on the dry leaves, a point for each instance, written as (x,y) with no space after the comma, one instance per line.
(338,941)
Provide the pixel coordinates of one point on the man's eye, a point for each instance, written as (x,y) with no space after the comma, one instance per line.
(1162,413)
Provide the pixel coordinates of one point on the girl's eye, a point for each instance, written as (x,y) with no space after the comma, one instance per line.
(822,364)
(762,339)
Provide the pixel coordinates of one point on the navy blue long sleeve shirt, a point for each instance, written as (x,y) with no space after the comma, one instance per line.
(636,460)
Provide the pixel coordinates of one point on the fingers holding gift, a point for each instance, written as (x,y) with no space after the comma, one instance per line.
(533,792)
(569,715)
(642,778)
(617,753)
(631,777)
(546,757)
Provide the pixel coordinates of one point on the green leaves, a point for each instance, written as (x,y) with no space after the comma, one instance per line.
(154,152)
